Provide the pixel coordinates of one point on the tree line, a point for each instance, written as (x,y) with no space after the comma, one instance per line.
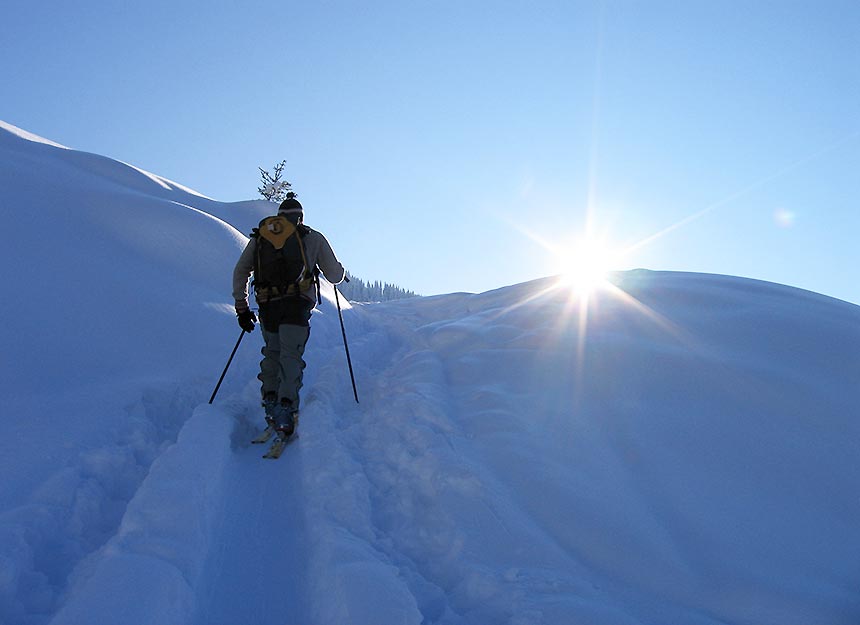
(357,290)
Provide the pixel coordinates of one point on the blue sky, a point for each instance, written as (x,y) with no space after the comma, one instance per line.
(424,137)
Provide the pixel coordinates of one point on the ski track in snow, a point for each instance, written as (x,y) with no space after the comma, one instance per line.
(399,485)
(257,555)
(70,516)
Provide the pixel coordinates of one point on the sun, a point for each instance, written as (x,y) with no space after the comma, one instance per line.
(585,265)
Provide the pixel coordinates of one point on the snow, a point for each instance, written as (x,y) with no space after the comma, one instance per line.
(681,450)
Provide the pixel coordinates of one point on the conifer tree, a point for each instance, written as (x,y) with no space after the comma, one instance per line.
(272,186)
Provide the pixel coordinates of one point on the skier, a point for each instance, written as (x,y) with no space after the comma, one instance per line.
(285,257)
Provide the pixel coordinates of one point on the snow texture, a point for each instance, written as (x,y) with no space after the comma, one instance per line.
(681,448)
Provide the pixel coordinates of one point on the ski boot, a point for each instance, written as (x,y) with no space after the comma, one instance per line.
(285,419)
(270,405)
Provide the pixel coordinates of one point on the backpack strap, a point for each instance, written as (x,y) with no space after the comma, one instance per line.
(307,270)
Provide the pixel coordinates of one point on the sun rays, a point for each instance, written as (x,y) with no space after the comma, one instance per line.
(591,296)
(588,292)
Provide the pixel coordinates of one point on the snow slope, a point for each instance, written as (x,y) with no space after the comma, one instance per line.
(684,453)
(116,321)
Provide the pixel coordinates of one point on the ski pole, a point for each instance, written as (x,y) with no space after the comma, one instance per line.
(217,386)
(345,345)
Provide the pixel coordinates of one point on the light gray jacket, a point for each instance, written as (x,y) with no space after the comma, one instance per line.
(318,253)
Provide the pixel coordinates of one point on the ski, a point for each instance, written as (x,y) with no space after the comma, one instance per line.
(277,448)
(264,436)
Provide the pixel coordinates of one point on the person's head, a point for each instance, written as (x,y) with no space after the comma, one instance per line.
(292,210)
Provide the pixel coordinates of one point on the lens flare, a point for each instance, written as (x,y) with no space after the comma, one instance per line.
(586,264)
(784,218)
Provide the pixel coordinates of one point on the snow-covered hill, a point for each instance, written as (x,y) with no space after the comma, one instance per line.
(685,452)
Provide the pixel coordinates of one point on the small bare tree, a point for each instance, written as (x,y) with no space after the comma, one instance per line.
(272,187)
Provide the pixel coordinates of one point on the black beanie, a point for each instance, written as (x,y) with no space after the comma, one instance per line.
(289,206)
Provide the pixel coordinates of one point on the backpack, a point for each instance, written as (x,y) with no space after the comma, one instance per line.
(280,264)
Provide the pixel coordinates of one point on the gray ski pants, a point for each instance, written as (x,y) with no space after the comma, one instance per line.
(282,367)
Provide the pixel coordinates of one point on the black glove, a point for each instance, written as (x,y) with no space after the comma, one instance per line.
(246,317)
